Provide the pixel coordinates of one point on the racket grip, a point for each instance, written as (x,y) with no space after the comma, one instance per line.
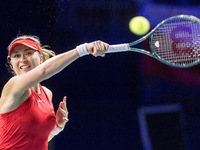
(118,48)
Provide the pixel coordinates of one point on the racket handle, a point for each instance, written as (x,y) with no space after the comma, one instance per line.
(118,48)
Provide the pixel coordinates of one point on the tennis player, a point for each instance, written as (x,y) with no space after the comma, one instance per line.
(27,117)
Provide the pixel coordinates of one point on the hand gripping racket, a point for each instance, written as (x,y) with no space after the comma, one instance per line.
(175,42)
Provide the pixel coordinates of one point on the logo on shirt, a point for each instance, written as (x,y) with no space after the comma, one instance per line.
(40,100)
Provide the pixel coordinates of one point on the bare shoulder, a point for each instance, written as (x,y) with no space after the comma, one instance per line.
(10,99)
(14,87)
(8,88)
(49,93)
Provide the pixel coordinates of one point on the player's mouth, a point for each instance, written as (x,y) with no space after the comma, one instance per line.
(25,67)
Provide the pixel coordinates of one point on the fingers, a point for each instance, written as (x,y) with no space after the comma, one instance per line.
(63,108)
(65,119)
(65,101)
(64,112)
(63,104)
(100,48)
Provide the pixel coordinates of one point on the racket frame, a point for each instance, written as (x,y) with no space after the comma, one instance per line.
(153,52)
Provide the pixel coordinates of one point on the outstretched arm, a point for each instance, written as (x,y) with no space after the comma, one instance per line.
(16,87)
(53,66)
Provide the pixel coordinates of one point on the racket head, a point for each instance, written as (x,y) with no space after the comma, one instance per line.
(176,41)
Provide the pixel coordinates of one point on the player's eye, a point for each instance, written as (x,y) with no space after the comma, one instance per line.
(16,56)
(28,53)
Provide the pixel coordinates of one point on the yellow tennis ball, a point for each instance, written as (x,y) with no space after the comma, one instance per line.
(139,25)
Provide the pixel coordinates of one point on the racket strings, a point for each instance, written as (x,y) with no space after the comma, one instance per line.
(178,41)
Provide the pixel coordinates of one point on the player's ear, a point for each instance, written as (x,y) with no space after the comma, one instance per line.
(9,60)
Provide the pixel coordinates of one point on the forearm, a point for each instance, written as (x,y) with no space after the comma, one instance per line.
(58,63)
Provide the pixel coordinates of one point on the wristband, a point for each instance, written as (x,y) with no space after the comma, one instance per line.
(82,50)
(56,130)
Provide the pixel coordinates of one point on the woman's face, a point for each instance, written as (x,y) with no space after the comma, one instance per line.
(24,59)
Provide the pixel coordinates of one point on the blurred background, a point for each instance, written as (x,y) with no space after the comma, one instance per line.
(123,101)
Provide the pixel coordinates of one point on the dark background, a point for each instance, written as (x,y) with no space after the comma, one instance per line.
(105,95)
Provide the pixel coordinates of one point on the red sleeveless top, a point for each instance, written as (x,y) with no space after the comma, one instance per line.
(28,126)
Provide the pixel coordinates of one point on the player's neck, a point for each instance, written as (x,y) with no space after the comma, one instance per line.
(36,88)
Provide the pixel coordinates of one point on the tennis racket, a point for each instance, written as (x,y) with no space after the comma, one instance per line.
(175,42)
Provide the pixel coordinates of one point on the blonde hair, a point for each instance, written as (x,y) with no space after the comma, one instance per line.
(46,52)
